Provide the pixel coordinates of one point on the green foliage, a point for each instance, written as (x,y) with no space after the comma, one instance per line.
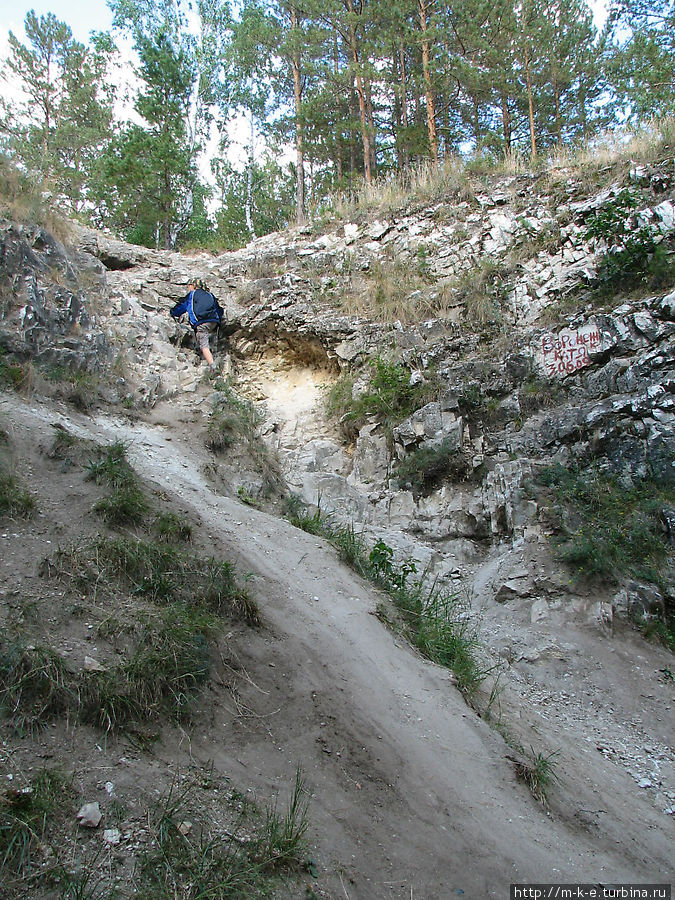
(12,374)
(172,660)
(636,252)
(389,397)
(436,622)
(15,500)
(164,574)
(58,129)
(538,771)
(126,503)
(35,685)
(172,529)
(27,815)
(605,529)
(426,467)
(207,865)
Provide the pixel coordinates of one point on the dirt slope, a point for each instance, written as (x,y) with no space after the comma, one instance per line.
(413,794)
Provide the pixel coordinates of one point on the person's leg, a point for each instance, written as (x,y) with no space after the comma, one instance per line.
(202,333)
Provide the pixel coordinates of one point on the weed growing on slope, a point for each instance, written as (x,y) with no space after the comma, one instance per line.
(125,503)
(14,498)
(203,862)
(27,816)
(538,771)
(172,529)
(436,621)
(161,573)
(35,685)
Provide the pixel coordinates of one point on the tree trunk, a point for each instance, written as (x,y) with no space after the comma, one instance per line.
(361,94)
(530,102)
(558,121)
(506,122)
(249,184)
(370,119)
(404,104)
(301,209)
(338,127)
(428,88)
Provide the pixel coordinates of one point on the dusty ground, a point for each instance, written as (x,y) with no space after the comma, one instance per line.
(413,795)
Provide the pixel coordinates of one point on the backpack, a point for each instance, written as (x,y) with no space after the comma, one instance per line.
(204,306)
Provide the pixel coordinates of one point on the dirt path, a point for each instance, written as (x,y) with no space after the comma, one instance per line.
(413,795)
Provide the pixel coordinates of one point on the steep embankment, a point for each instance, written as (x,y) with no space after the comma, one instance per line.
(410,788)
(523,374)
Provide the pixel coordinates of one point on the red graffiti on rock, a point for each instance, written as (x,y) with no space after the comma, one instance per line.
(569,351)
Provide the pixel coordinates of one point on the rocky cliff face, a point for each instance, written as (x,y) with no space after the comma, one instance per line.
(522,385)
(520,364)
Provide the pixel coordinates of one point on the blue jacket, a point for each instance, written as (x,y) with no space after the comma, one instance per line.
(201,306)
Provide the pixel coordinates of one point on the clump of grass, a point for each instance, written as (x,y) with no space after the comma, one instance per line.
(161,573)
(27,815)
(79,387)
(172,529)
(482,290)
(425,468)
(604,529)
(538,771)
(13,375)
(240,864)
(15,500)
(232,420)
(35,685)
(536,394)
(126,503)
(170,664)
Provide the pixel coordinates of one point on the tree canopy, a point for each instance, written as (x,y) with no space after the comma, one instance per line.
(331,93)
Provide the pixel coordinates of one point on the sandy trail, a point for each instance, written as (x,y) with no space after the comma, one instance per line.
(413,793)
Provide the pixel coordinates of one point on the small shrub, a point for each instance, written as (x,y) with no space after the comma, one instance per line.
(636,253)
(604,529)
(426,467)
(389,398)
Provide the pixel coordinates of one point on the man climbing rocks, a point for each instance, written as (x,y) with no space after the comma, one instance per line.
(204,313)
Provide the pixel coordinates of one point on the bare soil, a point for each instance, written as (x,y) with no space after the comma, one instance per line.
(413,794)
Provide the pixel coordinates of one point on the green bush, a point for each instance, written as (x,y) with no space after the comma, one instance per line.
(605,529)
(636,253)
(426,467)
(389,398)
